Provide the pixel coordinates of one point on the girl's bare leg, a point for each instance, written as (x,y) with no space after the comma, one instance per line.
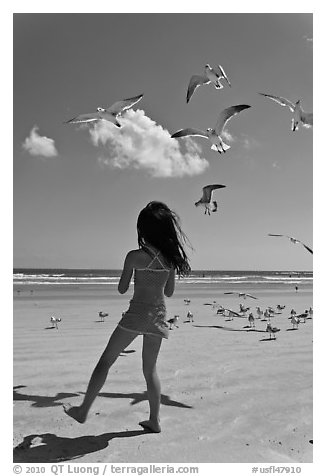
(151,347)
(119,340)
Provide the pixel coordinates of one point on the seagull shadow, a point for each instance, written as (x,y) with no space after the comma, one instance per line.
(292,329)
(267,339)
(41,401)
(51,327)
(50,448)
(140,397)
(245,329)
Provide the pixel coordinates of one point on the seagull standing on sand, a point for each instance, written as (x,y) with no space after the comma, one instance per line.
(303,316)
(295,322)
(271,330)
(190,316)
(259,312)
(102,315)
(210,76)
(206,200)
(173,321)
(251,320)
(214,135)
(243,309)
(267,316)
(293,240)
(54,321)
(228,315)
(110,114)
(299,115)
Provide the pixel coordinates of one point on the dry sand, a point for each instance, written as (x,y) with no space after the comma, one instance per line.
(229,394)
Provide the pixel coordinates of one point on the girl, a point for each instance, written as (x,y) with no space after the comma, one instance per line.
(161,254)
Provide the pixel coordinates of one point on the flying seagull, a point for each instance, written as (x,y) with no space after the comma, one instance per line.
(210,76)
(293,240)
(206,200)
(244,295)
(214,135)
(108,114)
(299,115)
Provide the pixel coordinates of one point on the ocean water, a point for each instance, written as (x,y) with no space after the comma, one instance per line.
(201,278)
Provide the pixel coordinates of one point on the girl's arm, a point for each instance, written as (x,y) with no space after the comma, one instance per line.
(169,286)
(126,273)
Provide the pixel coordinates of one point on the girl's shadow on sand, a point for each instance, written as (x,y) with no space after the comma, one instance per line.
(50,448)
(41,400)
(140,397)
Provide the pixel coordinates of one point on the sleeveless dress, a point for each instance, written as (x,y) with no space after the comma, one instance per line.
(147,313)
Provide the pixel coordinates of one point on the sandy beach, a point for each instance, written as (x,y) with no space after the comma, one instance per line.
(230,394)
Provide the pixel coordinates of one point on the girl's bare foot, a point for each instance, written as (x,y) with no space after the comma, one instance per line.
(151,425)
(75,413)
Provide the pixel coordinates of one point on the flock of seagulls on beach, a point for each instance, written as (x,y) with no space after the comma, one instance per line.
(262,315)
(229,315)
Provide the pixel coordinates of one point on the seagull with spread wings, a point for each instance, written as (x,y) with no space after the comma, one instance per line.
(214,135)
(207,198)
(299,115)
(211,75)
(293,240)
(109,114)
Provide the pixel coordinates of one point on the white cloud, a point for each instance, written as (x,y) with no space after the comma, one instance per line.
(39,145)
(142,144)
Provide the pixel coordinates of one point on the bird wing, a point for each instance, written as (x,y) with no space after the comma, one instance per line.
(120,106)
(226,115)
(194,82)
(89,117)
(280,100)
(189,132)
(307,247)
(208,189)
(230,292)
(224,75)
(307,119)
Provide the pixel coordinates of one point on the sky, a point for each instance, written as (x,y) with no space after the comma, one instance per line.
(77,190)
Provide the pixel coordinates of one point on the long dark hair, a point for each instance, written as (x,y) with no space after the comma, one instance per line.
(159,226)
